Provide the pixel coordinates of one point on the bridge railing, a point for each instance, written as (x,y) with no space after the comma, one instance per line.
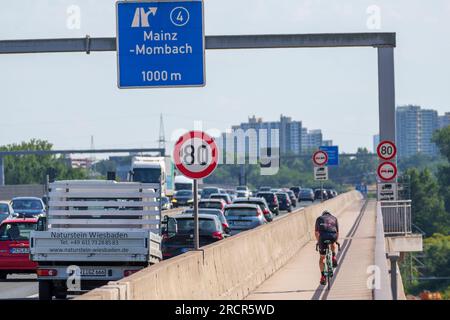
(396,217)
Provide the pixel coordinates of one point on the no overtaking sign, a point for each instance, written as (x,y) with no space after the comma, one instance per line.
(320,158)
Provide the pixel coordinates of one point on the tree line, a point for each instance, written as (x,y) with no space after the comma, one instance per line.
(430,195)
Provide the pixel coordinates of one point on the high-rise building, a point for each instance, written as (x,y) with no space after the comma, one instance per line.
(327,143)
(376,142)
(444,121)
(311,139)
(284,134)
(414,130)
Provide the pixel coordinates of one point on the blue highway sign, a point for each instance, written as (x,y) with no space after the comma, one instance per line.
(333,154)
(160,44)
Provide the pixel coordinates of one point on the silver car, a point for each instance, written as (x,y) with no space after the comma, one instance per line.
(28,207)
(242,217)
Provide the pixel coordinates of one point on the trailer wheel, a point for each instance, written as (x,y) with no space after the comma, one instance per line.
(3,275)
(45,290)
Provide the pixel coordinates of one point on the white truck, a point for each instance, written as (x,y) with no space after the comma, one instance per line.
(159,170)
(95,232)
(183,183)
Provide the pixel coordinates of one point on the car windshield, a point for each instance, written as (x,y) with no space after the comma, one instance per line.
(212,205)
(240,212)
(241,188)
(16,231)
(4,208)
(184,193)
(215,212)
(186,225)
(27,204)
(259,203)
(267,196)
(218,196)
(281,196)
(164,200)
(183,186)
(147,175)
(208,191)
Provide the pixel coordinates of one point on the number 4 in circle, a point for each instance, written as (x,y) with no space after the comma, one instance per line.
(179,16)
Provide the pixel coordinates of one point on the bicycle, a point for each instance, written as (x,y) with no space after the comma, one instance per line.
(328,268)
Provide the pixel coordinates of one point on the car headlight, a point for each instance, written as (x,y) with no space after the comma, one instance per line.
(190,200)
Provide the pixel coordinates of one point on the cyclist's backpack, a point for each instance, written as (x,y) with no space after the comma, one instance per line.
(327,223)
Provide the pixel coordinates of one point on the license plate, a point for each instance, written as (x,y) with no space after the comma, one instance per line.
(19,250)
(93,272)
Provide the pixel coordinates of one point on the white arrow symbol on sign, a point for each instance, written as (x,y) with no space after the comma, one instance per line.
(141,17)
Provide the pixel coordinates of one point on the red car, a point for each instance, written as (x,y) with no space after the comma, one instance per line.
(15,246)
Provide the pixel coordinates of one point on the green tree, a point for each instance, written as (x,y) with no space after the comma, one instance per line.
(32,169)
(352,170)
(442,140)
(436,264)
(421,161)
(428,211)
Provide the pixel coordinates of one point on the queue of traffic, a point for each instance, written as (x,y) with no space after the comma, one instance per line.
(224,213)
(18,218)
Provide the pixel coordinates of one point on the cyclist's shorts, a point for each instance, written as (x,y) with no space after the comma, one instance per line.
(331,236)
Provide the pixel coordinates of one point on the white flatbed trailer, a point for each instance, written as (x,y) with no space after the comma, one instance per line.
(95,232)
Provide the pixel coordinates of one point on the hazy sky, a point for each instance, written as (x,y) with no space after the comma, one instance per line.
(66,98)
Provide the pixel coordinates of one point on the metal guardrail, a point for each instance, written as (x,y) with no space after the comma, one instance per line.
(396,217)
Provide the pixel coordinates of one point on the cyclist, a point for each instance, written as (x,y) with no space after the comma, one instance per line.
(327,228)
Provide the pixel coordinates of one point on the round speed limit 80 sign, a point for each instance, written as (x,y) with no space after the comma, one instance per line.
(195,155)
(386,150)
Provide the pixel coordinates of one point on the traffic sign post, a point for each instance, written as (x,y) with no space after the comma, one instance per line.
(387,191)
(321,173)
(387,171)
(160,43)
(196,156)
(320,158)
(386,150)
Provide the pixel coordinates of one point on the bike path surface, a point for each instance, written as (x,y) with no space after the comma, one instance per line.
(299,278)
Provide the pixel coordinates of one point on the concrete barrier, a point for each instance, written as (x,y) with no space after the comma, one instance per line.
(228,269)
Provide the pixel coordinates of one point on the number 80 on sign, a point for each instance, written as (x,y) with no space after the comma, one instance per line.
(195,155)
(386,150)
